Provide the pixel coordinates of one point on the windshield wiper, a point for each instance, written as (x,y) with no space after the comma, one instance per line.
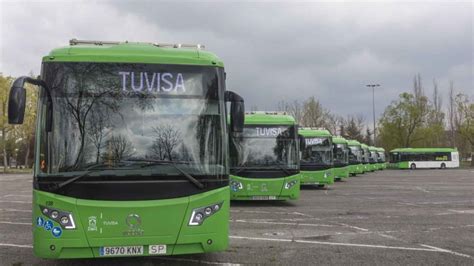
(172,163)
(283,168)
(74,179)
(89,170)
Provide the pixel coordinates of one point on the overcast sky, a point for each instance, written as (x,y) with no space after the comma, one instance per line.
(272,51)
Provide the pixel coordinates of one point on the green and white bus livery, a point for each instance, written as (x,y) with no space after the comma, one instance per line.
(131,154)
(381,158)
(365,157)
(413,158)
(355,158)
(316,160)
(264,158)
(373,158)
(341,158)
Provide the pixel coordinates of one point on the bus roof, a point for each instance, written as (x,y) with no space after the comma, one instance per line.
(380,149)
(133,52)
(339,140)
(313,132)
(417,150)
(352,142)
(364,146)
(264,118)
(373,148)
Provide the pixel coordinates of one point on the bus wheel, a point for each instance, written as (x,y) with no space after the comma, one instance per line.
(443,166)
(413,166)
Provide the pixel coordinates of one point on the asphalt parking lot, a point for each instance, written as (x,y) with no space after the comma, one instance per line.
(386,217)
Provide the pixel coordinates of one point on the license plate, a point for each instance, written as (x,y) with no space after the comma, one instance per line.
(264,197)
(121,251)
(157,249)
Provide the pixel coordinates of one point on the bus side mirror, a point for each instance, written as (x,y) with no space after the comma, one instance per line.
(237,111)
(302,141)
(17,102)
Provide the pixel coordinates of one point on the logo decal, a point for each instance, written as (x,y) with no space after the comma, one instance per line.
(48,225)
(134,223)
(57,231)
(39,221)
(92,223)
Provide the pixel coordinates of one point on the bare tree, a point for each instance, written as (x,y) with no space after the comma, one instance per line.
(294,108)
(98,123)
(451,115)
(119,147)
(167,139)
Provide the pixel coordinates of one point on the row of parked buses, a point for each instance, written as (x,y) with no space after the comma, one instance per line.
(272,157)
(135,143)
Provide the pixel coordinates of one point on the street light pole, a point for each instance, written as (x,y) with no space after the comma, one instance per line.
(373,107)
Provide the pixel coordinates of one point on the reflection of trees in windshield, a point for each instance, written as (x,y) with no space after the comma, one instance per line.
(317,151)
(166,140)
(255,149)
(340,153)
(95,120)
(354,154)
(118,148)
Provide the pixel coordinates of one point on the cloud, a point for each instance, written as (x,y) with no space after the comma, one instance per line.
(272,51)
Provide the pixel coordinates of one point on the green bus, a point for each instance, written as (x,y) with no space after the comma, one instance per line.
(365,157)
(413,158)
(316,159)
(381,158)
(341,158)
(265,158)
(355,157)
(131,154)
(373,158)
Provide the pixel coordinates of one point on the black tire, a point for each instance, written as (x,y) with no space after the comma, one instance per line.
(413,166)
(443,166)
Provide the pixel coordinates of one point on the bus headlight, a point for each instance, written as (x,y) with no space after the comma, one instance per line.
(200,214)
(326,175)
(290,184)
(64,218)
(235,185)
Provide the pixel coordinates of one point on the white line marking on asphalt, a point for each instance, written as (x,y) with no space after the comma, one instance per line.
(446,251)
(422,189)
(15,245)
(14,210)
(16,195)
(463,211)
(281,223)
(15,201)
(196,261)
(269,212)
(429,248)
(354,227)
(7,222)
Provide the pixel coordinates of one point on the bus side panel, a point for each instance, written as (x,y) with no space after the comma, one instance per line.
(253,188)
(322,177)
(341,172)
(213,234)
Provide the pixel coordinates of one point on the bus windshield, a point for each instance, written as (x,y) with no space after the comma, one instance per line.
(317,151)
(265,147)
(355,155)
(115,116)
(372,156)
(341,154)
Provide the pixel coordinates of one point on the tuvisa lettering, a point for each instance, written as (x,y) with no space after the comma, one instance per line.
(154,82)
(268,132)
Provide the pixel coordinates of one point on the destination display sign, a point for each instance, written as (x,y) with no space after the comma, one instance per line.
(317,141)
(268,132)
(160,82)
